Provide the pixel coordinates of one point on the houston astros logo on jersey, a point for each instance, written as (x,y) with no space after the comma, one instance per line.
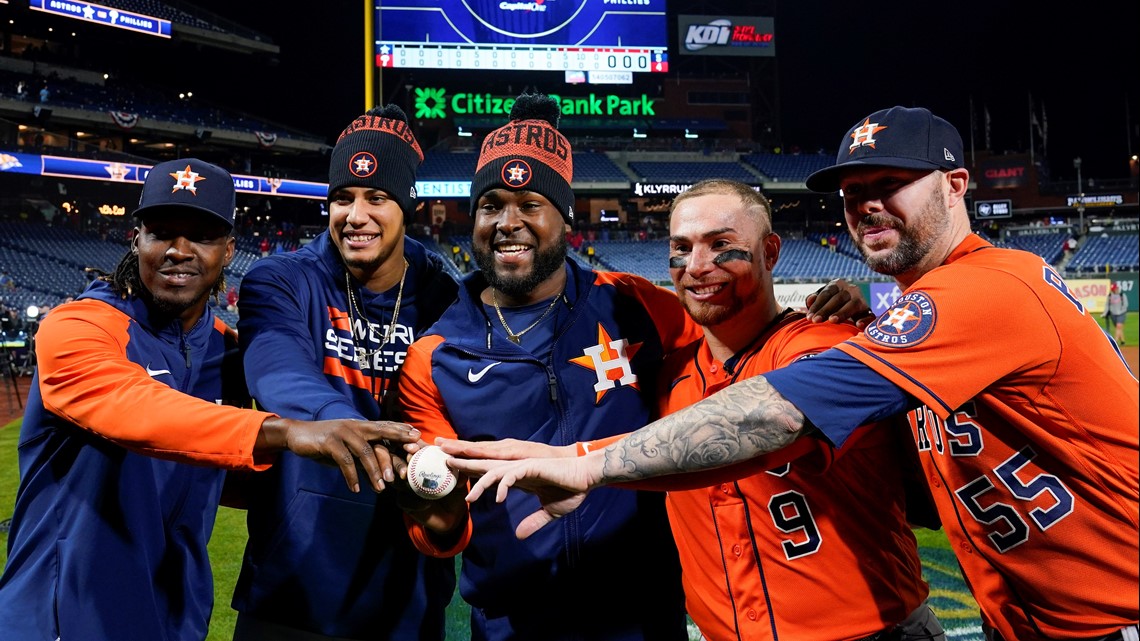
(516,173)
(362,164)
(610,361)
(864,135)
(908,322)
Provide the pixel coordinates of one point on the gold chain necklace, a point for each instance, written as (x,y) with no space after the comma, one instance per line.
(388,332)
(516,337)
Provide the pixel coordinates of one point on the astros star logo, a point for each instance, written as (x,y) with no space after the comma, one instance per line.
(185,179)
(362,164)
(610,361)
(516,173)
(864,135)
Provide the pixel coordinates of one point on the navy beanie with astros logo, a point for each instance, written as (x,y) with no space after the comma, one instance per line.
(528,153)
(378,150)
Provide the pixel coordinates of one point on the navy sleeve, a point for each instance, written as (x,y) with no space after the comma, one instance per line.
(858,395)
(283,370)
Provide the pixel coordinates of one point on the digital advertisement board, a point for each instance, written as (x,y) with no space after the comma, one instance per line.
(544,35)
(83,169)
(726,36)
(988,209)
(106,16)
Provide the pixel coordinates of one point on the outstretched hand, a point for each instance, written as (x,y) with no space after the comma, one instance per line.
(343,443)
(837,302)
(507,449)
(561,484)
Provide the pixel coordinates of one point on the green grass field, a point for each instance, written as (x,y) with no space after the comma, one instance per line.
(949,597)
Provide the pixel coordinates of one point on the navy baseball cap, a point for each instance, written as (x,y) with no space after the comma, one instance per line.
(896,137)
(188,183)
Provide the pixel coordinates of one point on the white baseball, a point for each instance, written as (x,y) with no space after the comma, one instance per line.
(429,475)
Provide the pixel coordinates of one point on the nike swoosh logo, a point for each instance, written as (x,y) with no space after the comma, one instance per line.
(155,372)
(475,377)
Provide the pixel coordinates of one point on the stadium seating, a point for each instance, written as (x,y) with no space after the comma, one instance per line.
(806,260)
(47,263)
(1107,253)
(1050,246)
(688,172)
(649,258)
(787,167)
(448,166)
(591,166)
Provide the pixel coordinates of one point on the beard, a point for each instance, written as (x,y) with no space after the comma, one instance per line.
(174,307)
(915,241)
(710,315)
(546,262)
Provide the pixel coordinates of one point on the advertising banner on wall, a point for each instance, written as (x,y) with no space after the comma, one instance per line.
(726,36)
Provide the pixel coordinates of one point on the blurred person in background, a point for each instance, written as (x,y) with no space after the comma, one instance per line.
(1116,311)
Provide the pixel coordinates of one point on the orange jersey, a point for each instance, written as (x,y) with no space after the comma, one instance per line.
(816,549)
(1028,439)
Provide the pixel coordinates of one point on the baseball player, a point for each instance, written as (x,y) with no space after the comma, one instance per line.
(828,524)
(1032,465)
(539,348)
(323,332)
(125,434)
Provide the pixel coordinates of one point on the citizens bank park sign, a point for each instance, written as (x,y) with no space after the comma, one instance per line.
(433,103)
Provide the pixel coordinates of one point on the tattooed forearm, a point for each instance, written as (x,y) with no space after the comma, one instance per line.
(738,423)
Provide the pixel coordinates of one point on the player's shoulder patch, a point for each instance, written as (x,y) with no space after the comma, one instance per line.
(909,321)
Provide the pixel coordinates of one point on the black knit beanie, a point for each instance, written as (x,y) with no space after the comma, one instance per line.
(378,150)
(528,153)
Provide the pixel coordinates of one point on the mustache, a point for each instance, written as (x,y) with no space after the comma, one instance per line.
(877,220)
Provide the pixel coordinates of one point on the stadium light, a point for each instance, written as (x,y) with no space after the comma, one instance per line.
(637,134)
(689,135)
(464,134)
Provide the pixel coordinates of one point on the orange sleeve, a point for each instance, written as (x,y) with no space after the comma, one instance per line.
(86,378)
(422,539)
(421,406)
(674,325)
(420,402)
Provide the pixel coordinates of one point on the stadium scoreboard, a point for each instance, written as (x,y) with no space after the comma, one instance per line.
(545,35)
(528,58)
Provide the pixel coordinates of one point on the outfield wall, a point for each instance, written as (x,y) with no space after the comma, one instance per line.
(1091,291)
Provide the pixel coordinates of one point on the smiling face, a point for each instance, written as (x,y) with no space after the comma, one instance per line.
(520,244)
(721,256)
(897,217)
(367,227)
(181,258)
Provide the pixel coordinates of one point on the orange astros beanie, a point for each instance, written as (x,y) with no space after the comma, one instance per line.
(378,151)
(528,153)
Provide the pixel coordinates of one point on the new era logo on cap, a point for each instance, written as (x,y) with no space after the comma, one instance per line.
(188,183)
(908,138)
